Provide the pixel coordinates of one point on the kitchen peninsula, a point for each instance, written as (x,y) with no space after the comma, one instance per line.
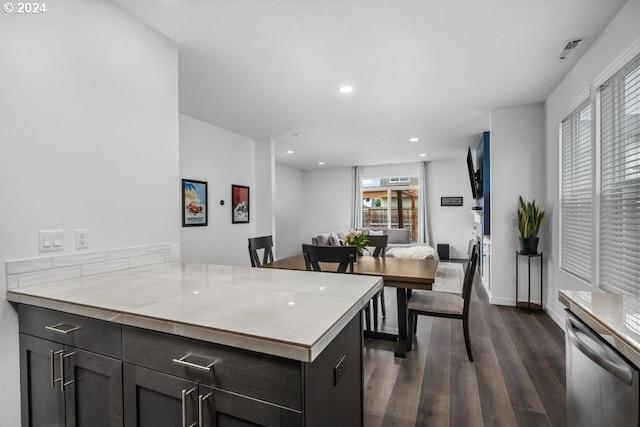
(194,344)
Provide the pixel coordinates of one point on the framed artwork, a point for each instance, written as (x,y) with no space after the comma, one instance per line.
(239,204)
(194,203)
(450,201)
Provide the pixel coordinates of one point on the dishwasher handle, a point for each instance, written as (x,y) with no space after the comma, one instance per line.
(610,361)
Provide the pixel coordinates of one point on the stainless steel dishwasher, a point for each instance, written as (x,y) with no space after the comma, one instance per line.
(602,385)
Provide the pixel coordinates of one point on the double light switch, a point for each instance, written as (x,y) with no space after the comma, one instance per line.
(50,240)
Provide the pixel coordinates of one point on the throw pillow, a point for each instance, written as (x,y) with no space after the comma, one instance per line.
(334,239)
(376,233)
(323,239)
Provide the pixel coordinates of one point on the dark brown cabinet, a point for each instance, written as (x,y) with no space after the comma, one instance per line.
(78,371)
(67,386)
(42,402)
(156,399)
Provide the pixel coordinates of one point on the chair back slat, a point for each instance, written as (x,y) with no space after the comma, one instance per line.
(472,244)
(257,243)
(344,256)
(468,277)
(379,243)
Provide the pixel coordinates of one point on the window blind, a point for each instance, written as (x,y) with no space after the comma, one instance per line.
(576,199)
(619,254)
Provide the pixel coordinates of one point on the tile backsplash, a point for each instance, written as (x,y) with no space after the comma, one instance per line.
(32,271)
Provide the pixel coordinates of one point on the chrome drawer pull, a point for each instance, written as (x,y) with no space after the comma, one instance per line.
(56,328)
(62,383)
(201,400)
(183,362)
(185,393)
(53,355)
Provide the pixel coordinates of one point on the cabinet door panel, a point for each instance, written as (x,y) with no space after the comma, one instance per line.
(154,399)
(41,403)
(233,410)
(94,390)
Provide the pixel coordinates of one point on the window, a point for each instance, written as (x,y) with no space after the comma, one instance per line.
(576,204)
(619,225)
(392,203)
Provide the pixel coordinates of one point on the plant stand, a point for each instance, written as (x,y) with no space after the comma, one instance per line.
(528,303)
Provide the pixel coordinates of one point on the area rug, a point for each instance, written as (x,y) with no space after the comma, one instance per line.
(449,277)
(414,252)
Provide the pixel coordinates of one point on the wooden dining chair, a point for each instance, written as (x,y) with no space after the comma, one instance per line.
(379,245)
(257,243)
(344,256)
(443,304)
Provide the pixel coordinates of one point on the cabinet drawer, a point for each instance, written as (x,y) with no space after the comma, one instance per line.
(94,335)
(257,375)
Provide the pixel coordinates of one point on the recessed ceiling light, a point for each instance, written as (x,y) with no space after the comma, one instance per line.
(413,139)
(321,163)
(423,155)
(289,151)
(345,89)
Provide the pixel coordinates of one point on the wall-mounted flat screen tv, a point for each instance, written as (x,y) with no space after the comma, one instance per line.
(472,175)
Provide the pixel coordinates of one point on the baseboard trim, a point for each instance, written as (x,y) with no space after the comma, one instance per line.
(502,301)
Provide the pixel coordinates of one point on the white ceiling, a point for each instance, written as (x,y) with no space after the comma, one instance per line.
(432,69)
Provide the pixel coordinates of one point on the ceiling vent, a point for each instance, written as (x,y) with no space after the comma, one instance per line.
(569,48)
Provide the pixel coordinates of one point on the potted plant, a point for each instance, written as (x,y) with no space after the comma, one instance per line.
(529,220)
(356,238)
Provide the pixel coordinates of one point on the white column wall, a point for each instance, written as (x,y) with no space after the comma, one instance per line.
(289,200)
(517,169)
(265,187)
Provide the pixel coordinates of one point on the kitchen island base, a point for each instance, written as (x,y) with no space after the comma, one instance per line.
(80,371)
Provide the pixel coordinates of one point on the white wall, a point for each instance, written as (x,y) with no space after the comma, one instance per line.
(289,199)
(326,201)
(386,171)
(622,35)
(221,158)
(89,139)
(517,169)
(450,224)
(264,192)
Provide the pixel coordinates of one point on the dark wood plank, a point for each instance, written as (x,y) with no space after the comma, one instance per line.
(494,397)
(551,392)
(465,407)
(544,339)
(434,407)
(531,419)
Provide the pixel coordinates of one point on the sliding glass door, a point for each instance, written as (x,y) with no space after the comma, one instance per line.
(385,204)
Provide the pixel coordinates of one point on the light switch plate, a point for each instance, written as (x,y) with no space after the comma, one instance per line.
(50,240)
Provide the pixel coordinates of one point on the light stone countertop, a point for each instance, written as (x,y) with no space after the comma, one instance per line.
(293,314)
(616,317)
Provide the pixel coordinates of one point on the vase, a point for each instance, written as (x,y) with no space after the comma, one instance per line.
(529,245)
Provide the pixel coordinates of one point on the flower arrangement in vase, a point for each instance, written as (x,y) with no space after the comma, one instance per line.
(356,238)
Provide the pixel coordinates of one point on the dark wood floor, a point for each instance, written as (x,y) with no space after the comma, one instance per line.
(517,377)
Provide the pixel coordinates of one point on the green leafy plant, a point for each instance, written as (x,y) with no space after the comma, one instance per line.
(356,238)
(529,218)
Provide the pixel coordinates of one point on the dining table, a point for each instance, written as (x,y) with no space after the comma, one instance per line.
(404,274)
